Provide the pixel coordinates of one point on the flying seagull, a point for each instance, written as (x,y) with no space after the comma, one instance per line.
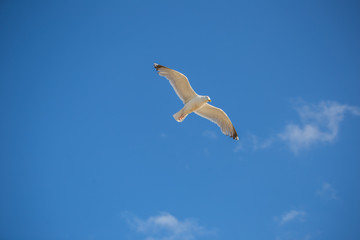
(195,103)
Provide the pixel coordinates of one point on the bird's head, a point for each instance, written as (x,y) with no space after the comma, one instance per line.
(208,99)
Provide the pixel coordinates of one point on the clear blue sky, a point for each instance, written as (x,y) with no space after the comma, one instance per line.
(89,148)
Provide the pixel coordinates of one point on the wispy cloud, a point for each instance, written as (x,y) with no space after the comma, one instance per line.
(320,124)
(293,236)
(251,141)
(166,227)
(210,134)
(288,226)
(327,191)
(261,143)
(163,135)
(291,216)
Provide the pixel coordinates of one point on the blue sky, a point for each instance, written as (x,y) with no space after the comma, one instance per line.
(90,150)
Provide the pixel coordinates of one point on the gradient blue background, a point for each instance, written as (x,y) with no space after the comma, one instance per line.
(86,127)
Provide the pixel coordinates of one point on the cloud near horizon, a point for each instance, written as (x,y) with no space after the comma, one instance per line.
(320,124)
(166,227)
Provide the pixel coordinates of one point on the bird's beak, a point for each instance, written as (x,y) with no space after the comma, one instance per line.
(209,100)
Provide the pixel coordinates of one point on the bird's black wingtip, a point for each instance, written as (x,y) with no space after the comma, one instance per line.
(235,135)
(157,66)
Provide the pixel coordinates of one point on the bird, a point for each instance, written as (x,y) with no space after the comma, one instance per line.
(195,103)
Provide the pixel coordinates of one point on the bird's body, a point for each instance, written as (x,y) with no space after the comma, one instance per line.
(195,103)
(191,106)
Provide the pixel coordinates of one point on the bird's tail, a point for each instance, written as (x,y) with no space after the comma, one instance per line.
(180,116)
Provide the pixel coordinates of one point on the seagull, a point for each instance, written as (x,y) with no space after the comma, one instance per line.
(194,102)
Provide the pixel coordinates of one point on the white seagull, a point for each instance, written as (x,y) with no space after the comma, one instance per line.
(195,103)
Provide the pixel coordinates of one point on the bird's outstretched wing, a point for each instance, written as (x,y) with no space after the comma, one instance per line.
(178,81)
(219,117)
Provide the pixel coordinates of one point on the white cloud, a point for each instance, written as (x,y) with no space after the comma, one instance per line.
(327,191)
(320,124)
(292,215)
(166,227)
